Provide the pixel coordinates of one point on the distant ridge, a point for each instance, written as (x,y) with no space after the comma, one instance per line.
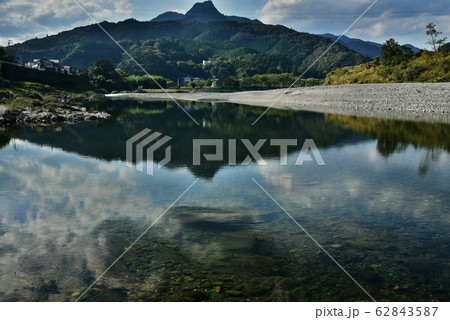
(367,48)
(204,12)
(169,16)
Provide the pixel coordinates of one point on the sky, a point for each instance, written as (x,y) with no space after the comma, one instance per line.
(403,20)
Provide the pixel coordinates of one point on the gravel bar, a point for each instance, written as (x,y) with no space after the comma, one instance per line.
(429,102)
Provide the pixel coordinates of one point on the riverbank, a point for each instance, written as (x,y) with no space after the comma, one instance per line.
(42,105)
(45,116)
(429,102)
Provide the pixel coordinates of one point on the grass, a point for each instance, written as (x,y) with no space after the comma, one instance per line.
(17,95)
(428,67)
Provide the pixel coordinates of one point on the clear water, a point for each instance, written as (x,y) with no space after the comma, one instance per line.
(69,206)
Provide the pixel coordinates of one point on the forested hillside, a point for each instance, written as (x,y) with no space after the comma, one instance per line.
(175,49)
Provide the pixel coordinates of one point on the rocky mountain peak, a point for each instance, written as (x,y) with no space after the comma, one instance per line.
(204,12)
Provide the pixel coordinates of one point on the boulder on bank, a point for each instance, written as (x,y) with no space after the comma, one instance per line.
(45,116)
(2,110)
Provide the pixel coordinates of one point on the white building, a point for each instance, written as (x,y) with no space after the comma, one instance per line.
(52,65)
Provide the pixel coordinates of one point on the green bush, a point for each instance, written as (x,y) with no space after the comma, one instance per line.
(399,64)
(414,71)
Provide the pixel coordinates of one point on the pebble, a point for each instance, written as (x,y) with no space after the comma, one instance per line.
(198,276)
(205,284)
(234,293)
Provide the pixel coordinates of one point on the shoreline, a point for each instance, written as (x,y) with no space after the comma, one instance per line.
(426,102)
(62,110)
(47,117)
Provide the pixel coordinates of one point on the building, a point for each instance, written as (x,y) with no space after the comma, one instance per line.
(188,79)
(52,65)
(45,65)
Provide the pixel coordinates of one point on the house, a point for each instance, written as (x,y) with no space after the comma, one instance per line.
(45,65)
(188,79)
(52,65)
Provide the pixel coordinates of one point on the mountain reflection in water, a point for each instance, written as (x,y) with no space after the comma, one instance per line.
(69,207)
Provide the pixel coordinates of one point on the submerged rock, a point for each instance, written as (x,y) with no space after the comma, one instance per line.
(234,293)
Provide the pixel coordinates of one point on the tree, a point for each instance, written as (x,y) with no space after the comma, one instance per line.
(392,53)
(105,76)
(104,68)
(434,34)
(376,61)
(229,83)
(223,70)
(3,54)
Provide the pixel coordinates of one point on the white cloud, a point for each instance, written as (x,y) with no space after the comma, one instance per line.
(41,17)
(21,12)
(41,216)
(385,19)
(182,11)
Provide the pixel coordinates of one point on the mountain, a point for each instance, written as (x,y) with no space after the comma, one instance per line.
(169,16)
(215,47)
(367,48)
(202,12)
(413,48)
(445,47)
